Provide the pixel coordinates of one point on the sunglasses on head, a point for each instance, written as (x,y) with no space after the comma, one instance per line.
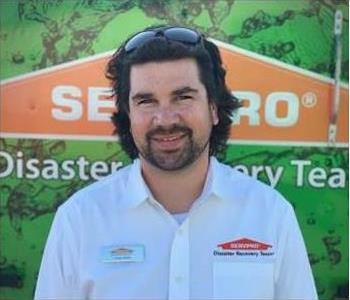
(177,34)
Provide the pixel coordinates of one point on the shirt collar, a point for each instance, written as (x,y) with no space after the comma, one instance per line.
(222,180)
(136,190)
(217,183)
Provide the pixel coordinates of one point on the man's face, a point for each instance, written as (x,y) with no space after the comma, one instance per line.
(170,115)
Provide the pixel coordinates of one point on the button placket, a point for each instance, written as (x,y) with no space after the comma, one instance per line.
(179,264)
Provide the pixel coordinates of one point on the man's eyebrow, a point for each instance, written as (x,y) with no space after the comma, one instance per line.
(140,96)
(184,90)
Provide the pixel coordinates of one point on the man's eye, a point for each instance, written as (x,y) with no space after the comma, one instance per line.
(145,102)
(184,97)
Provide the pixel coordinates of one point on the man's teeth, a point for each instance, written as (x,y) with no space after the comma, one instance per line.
(169,139)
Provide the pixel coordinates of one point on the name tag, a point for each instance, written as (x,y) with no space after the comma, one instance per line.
(123,253)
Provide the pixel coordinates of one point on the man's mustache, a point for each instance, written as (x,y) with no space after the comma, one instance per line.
(160,130)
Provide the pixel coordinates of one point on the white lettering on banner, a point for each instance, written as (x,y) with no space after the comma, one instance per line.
(67,167)
(292,115)
(300,164)
(251,111)
(9,163)
(20,166)
(98,169)
(70,107)
(256,170)
(95,103)
(273,176)
(32,166)
(51,169)
(337,178)
(315,177)
(318,177)
(82,164)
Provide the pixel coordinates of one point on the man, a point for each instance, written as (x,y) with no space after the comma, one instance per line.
(176,224)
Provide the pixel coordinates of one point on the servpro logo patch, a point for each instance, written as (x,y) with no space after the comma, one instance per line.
(244,244)
(243,247)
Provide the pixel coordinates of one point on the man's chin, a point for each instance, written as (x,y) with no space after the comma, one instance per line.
(170,161)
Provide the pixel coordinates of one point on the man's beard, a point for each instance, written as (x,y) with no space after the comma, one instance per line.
(172,160)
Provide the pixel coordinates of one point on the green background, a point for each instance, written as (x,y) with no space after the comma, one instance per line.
(37,34)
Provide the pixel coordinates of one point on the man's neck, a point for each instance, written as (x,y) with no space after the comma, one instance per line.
(177,190)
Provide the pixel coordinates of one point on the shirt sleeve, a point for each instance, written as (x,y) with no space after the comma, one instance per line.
(294,279)
(57,276)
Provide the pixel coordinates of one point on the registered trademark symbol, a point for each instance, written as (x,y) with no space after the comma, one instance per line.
(309,99)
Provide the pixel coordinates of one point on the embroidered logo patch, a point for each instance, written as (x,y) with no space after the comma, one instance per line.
(243,247)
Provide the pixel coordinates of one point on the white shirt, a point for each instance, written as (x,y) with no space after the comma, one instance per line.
(111,240)
(180,217)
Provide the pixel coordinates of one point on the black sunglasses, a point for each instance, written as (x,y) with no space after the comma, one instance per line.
(178,34)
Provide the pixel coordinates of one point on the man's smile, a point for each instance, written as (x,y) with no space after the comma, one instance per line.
(168,142)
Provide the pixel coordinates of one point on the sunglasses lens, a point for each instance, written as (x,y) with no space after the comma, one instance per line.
(138,40)
(177,34)
(183,35)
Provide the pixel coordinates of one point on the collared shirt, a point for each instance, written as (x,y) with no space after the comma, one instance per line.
(112,240)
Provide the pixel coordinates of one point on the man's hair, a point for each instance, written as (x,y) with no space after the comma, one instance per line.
(159,49)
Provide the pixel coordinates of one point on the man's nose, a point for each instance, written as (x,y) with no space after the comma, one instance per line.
(166,116)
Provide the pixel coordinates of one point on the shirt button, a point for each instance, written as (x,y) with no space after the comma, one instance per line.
(178,279)
(180,231)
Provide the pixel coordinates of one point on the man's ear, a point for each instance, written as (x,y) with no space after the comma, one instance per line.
(214,113)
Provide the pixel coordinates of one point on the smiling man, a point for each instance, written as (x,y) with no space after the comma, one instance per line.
(176,224)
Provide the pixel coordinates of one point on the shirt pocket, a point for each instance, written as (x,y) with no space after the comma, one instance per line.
(242,280)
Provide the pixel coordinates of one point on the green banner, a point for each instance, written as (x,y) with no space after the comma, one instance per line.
(37,175)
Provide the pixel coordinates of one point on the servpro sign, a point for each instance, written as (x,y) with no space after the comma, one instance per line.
(280,103)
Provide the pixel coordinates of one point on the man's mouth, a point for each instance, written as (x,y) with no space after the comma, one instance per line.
(168,142)
(168,138)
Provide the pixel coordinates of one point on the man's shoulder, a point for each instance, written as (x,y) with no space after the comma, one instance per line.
(111,187)
(228,173)
(244,188)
